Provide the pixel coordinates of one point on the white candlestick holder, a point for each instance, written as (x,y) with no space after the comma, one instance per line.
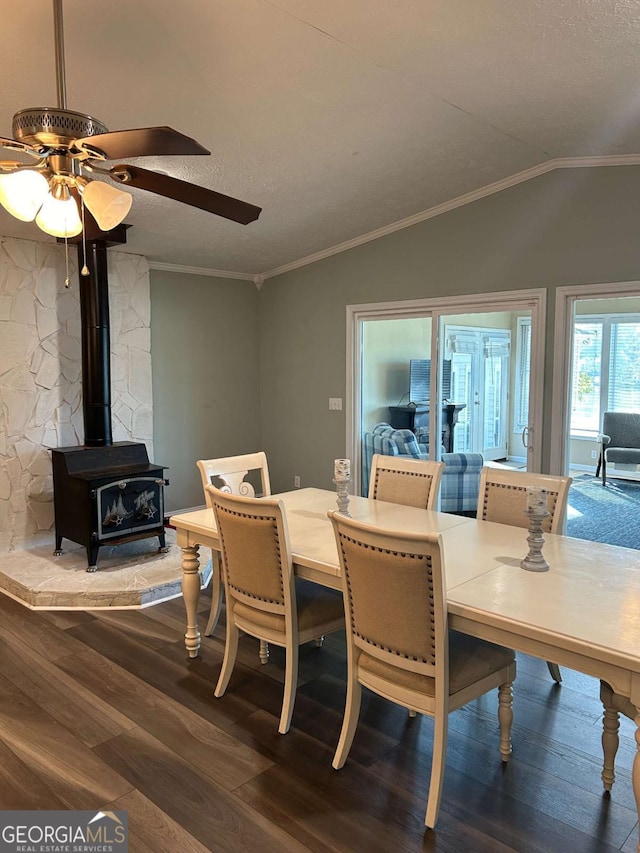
(534,561)
(342,489)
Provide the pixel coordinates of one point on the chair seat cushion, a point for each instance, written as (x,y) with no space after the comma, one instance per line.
(626,455)
(317,605)
(470,660)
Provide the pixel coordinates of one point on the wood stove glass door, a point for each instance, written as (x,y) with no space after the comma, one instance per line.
(130,505)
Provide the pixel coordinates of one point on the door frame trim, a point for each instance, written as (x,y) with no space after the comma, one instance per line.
(534,300)
(562,341)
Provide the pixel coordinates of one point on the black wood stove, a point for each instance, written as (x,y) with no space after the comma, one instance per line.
(107,496)
(105,493)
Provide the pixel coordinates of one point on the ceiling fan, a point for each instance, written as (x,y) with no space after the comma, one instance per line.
(69,149)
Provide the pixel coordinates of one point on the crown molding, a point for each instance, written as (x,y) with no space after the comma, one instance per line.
(460,201)
(445,207)
(244,276)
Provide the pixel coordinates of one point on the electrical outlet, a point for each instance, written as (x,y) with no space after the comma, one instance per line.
(296,482)
(594,454)
(335,404)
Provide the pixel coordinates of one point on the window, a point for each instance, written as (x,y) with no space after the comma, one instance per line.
(586,369)
(523,372)
(624,370)
(605,373)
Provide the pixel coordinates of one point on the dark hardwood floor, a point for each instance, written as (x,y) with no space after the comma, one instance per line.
(104,710)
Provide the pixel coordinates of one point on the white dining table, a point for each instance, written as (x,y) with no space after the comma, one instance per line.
(583,613)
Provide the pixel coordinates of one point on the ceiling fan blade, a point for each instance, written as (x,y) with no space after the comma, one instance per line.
(209,200)
(13,145)
(10,165)
(140,142)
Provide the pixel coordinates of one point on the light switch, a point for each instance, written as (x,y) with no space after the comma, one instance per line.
(335,404)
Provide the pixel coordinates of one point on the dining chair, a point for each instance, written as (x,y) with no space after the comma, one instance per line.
(230,472)
(613,704)
(502,497)
(404,480)
(399,644)
(264,599)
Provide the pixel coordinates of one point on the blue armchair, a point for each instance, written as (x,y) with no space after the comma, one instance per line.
(460,478)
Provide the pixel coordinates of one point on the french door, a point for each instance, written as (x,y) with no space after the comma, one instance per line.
(480,378)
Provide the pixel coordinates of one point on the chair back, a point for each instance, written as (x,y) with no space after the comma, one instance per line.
(256,558)
(404,480)
(503,497)
(394,595)
(623,428)
(230,472)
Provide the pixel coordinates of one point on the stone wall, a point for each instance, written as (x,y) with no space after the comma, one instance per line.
(41,372)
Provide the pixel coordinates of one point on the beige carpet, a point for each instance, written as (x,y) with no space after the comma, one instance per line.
(132,575)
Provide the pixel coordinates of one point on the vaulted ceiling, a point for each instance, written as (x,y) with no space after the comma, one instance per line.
(337,117)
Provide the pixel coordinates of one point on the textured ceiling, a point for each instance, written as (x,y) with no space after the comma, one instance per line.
(338,117)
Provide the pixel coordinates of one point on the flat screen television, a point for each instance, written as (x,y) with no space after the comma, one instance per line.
(420,380)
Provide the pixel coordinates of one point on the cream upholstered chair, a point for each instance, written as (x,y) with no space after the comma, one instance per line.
(263,597)
(614,704)
(404,480)
(230,472)
(399,644)
(503,498)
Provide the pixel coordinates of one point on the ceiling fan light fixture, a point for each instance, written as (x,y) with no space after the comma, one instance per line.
(66,143)
(108,205)
(22,193)
(59,216)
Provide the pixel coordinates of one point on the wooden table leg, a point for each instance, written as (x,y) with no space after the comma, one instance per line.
(615,704)
(190,594)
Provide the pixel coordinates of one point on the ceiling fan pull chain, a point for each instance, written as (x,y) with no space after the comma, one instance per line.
(67,280)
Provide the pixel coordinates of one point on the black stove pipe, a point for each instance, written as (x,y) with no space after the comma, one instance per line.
(96,347)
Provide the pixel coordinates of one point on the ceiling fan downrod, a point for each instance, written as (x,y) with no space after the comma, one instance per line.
(48,127)
(61,86)
(67,144)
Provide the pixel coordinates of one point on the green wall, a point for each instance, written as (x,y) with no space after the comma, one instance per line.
(204,348)
(567,227)
(387,348)
(236,370)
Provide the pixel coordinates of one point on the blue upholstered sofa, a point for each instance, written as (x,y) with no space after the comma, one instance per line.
(460,478)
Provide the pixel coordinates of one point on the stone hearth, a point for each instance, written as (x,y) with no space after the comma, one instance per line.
(132,575)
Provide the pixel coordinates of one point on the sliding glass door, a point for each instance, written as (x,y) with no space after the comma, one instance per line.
(597,370)
(485,395)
